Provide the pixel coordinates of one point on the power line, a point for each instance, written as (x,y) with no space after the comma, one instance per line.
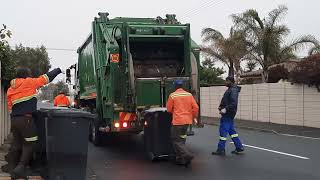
(200,7)
(206,4)
(215,4)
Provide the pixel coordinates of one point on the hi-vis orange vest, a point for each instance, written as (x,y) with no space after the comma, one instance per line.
(24,89)
(183,107)
(61,101)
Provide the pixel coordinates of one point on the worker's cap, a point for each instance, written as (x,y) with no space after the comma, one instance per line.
(178,82)
(230,78)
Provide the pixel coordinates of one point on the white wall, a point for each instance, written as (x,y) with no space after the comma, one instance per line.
(281,103)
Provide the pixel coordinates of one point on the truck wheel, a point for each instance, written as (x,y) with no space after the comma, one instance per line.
(90,132)
(96,135)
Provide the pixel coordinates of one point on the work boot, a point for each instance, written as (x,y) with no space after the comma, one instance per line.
(190,133)
(12,159)
(7,168)
(19,172)
(238,151)
(188,161)
(179,161)
(7,157)
(219,152)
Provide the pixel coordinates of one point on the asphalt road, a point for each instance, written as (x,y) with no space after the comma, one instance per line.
(268,156)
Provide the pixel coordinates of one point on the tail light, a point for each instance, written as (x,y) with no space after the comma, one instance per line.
(125,124)
(117,125)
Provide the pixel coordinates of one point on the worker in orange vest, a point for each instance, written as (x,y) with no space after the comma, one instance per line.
(22,102)
(61,100)
(184,109)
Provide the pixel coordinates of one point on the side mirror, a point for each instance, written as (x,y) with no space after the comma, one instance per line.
(68,76)
(68,73)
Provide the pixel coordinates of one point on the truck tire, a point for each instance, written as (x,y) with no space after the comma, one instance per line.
(90,133)
(95,135)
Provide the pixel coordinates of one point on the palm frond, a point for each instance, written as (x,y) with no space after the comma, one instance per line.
(252,56)
(209,35)
(303,42)
(214,54)
(276,15)
(314,50)
(281,30)
(246,21)
(255,15)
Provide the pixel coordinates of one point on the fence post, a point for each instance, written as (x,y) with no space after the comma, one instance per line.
(285,103)
(269,103)
(303,105)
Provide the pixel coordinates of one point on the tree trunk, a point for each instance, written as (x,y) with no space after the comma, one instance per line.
(265,76)
(231,69)
(237,71)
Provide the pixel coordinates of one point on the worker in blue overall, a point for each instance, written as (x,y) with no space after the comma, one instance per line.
(228,110)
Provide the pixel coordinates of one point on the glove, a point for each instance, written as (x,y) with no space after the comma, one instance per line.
(195,120)
(223,111)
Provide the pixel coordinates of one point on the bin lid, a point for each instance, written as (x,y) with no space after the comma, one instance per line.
(67,112)
(157,109)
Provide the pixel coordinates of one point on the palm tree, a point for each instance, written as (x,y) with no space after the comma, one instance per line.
(314,50)
(229,50)
(266,37)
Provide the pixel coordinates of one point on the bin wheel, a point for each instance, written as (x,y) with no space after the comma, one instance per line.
(96,135)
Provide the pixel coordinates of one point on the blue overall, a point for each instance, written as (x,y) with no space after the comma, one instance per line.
(227,127)
(230,103)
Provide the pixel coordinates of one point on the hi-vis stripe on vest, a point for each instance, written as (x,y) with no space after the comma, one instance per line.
(126,116)
(23,99)
(174,95)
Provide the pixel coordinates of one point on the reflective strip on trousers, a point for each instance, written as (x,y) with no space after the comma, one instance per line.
(31,139)
(223,138)
(62,105)
(183,136)
(234,135)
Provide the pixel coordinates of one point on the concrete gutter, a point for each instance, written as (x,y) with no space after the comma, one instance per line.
(299,131)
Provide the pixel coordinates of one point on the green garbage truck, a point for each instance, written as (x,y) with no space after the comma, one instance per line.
(128,65)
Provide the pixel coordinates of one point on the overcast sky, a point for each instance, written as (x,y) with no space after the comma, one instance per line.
(65,24)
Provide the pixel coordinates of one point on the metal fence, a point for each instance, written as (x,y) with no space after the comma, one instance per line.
(4,115)
(280,103)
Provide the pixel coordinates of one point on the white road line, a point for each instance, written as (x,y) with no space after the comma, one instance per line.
(305,137)
(278,152)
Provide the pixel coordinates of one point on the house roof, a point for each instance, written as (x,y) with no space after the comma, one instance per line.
(289,65)
(252,73)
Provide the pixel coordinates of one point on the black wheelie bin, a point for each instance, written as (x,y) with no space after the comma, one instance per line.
(157,134)
(67,143)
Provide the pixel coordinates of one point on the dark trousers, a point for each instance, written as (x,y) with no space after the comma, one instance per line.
(24,138)
(227,127)
(178,137)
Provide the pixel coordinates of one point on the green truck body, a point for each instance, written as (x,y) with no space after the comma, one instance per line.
(127,65)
